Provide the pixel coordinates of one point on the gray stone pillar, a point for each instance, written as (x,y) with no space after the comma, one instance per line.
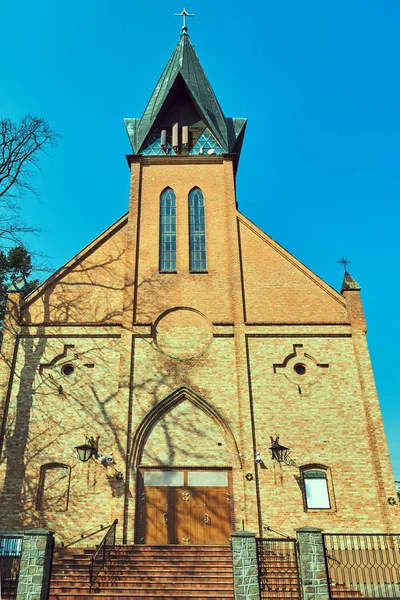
(35,566)
(245,566)
(312,563)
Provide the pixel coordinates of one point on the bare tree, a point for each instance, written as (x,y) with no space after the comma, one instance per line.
(20,146)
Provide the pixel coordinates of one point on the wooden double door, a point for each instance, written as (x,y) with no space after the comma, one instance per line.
(185,514)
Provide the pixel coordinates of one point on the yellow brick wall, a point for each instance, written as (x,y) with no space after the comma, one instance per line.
(90,290)
(45,424)
(225,338)
(211,293)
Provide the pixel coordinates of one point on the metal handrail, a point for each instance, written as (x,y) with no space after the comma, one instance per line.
(84,535)
(268,528)
(102,554)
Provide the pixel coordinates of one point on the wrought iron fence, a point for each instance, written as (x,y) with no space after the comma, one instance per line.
(102,554)
(278,569)
(363,565)
(10,556)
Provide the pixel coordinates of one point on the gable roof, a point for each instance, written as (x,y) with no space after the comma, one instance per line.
(297,264)
(59,273)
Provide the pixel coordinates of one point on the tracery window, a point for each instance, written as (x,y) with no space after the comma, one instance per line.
(167,230)
(197,231)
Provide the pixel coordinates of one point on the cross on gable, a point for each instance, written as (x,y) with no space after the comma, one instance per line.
(344,262)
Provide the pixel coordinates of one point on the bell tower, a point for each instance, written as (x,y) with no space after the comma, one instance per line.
(183,116)
(182,214)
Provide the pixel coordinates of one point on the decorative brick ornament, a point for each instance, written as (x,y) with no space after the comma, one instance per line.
(182,333)
(301,369)
(64,369)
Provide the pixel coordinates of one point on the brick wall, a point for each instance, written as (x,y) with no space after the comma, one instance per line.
(253,315)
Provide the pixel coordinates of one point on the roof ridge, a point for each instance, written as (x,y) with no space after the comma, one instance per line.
(81,255)
(292,259)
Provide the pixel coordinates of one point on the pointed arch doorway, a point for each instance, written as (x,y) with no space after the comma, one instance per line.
(184,492)
(184,506)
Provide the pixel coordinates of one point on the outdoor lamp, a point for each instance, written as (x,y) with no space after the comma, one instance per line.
(279,453)
(86,450)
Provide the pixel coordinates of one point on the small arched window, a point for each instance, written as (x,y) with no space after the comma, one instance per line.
(316,488)
(167,230)
(53,490)
(197,231)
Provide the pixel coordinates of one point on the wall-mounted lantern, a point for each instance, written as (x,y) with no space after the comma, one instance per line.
(280,453)
(91,449)
(88,449)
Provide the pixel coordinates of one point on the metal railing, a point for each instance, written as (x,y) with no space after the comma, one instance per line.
(363,565)
(284,535)
(278,569)
(10,556)
(83,536)
(102,554)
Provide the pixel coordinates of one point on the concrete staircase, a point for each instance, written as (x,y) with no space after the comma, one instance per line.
(147,573)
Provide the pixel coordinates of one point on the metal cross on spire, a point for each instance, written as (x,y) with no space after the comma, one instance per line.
(184,14)
(344,262)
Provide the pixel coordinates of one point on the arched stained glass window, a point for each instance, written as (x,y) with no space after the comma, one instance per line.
(197,231)
(168,230)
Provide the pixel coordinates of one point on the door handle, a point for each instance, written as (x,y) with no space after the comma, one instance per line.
(207,519)
(186,539)
(165,517)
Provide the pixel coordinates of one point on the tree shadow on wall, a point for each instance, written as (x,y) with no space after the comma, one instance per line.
(40,421)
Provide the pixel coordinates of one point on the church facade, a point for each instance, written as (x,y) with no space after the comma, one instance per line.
(173,350)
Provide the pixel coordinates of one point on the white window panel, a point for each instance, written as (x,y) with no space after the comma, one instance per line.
(317,493)
(164,478)
(207,478)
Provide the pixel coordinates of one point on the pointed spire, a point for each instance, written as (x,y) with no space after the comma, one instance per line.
(185,63)
(349,283)
(19,284)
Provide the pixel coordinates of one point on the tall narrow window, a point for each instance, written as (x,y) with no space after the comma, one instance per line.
(53,490)
(316,488)
(197,231)
(168,230)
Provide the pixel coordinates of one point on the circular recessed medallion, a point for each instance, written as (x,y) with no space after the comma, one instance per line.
(183,333)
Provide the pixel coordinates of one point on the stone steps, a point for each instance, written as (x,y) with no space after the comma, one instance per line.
(175,572)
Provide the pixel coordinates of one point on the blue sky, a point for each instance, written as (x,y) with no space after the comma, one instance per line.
(319,83)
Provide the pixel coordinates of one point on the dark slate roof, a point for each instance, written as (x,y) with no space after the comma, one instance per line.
(349,283)
(185,62)
(19,285)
